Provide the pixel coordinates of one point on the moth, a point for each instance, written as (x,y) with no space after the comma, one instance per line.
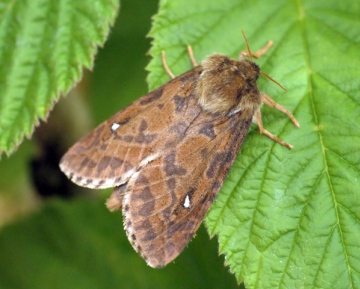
(167,154)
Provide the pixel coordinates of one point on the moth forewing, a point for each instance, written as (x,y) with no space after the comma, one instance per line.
(107,157)
(169,152)
(155,210)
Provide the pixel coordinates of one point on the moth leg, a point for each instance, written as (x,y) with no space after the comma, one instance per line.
(191,55)
(166,67)
(258,53)
(258,120)
(263,50)
(270,102)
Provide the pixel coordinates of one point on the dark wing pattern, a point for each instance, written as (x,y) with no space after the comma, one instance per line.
(110,154)
(166,200)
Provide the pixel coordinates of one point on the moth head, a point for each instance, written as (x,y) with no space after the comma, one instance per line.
(227,84)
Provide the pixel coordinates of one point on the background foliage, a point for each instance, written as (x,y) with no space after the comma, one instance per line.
(285,219)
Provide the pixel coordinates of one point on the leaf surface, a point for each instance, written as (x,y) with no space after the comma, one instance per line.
(44,45)
(284,218)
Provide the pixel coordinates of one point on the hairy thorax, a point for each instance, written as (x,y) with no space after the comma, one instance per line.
(227,86)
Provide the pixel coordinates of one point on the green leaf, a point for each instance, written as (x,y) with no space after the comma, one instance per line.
(284,218)
(44,45)
(82,245)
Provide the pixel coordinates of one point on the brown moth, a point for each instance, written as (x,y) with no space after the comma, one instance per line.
(168,153)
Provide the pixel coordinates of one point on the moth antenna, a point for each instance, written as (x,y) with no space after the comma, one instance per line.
(260,52)
(273,80)
(247,45)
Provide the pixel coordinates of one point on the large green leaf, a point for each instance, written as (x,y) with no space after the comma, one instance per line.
(284,218)
(44,46)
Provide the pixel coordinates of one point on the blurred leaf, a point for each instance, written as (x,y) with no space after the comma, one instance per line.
(16,193)
(120,76)
(285,218)
(82,245)
(44,45)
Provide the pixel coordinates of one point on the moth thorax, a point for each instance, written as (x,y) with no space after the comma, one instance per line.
(226,84)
